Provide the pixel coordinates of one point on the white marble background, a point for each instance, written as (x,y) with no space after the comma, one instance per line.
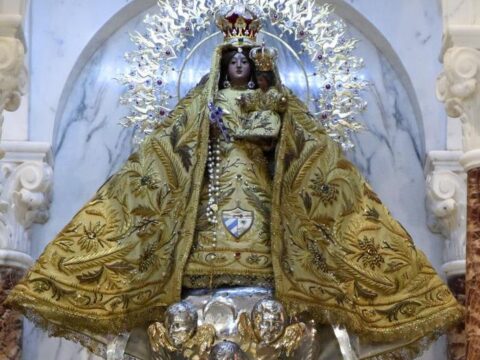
(89,144)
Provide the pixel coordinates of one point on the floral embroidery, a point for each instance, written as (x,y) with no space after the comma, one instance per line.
(406,308)
(92,236)
(327,192)
(370,256)
(143,178)
(253,259)
(148,258)
(317,257)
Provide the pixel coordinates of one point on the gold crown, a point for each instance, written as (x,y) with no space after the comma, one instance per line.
(264,58)
(238,24)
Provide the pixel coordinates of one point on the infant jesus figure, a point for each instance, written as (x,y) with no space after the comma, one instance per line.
(265,103)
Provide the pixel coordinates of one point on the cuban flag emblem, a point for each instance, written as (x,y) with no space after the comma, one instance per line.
(237,221)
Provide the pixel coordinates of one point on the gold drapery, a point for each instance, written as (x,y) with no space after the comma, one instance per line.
(337,253)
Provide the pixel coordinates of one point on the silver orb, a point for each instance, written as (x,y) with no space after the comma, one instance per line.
(227,350)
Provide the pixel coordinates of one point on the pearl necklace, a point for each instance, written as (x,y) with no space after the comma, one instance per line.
(213,165)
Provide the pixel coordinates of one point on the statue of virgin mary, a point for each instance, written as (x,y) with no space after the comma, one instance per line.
(238,187)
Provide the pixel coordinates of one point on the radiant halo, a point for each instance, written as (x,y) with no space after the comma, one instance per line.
(310,32)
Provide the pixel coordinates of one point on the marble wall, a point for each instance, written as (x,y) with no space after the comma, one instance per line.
(413,30)
(77,49)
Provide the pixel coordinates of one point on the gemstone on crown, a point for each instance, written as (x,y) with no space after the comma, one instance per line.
(238,24)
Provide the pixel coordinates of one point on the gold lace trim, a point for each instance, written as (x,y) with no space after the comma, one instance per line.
(407,351)
(416,329)
(220,280)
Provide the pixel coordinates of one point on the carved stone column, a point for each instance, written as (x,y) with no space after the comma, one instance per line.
(25,180)
(446,202)
(21,179)
(458,88)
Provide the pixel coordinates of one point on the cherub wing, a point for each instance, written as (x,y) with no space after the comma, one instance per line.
(291,338)
(245,328)
(157,333)
(204,338)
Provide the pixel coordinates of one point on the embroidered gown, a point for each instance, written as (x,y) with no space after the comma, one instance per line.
(298,217)
(236,250)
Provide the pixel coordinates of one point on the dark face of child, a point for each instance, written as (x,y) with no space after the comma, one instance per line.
(262,83)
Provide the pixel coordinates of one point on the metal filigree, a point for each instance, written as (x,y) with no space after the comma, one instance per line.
(245,322)
(312,31)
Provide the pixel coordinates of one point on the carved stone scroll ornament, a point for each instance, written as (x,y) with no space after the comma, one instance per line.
(457,87)
(24,200)
(13,74)
(446,202)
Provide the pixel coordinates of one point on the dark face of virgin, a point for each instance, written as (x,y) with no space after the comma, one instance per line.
(239,70)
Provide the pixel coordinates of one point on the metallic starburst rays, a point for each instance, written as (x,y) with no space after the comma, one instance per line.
(320,35)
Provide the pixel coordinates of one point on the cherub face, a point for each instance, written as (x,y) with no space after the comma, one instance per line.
(181,323)
(239,69)
(268,320)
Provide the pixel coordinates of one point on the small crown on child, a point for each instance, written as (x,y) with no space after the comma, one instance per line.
(264,57)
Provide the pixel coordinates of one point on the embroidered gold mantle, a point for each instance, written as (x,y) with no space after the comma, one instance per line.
(336,251)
